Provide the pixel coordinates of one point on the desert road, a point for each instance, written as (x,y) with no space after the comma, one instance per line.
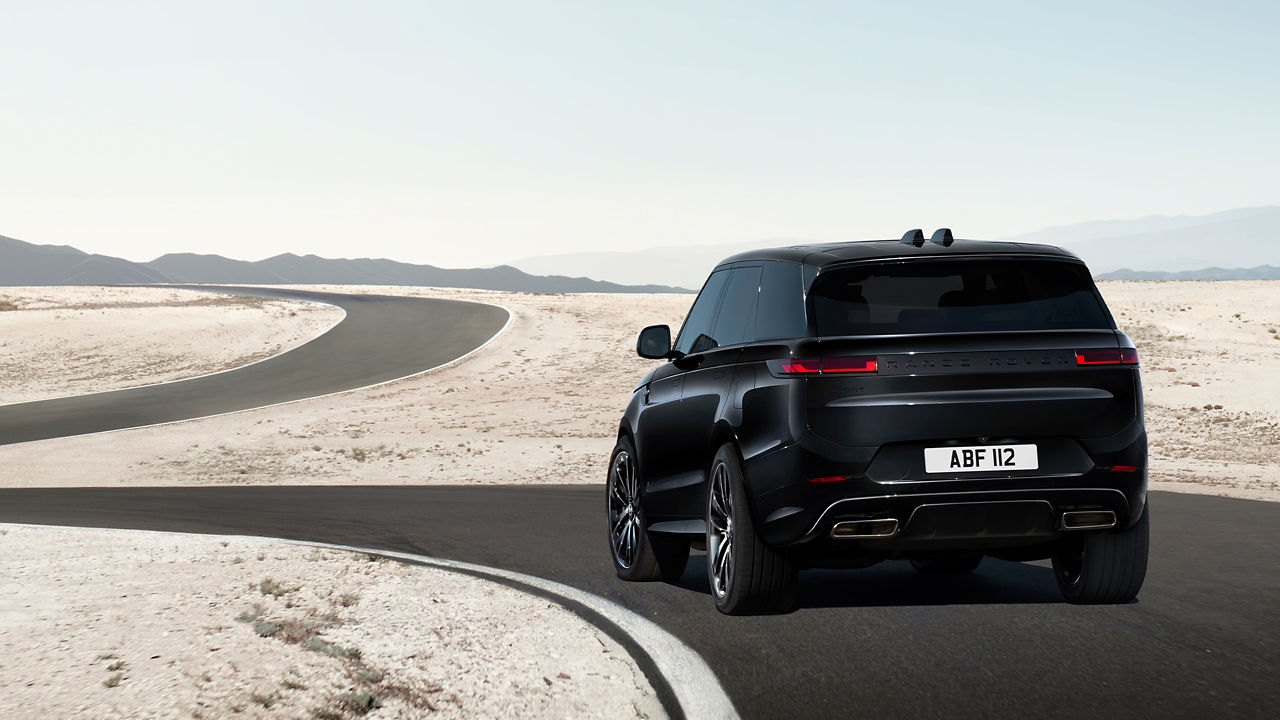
(1203,639)
(381,338)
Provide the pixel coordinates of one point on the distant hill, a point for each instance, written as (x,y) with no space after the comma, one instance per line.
(1262,272)
(686,266)
(22,263)
(26,264)
(1240,238)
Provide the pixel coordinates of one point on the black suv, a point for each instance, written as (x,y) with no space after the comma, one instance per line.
(838,405)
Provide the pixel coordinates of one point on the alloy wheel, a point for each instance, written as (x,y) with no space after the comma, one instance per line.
(720,530)
(624,510)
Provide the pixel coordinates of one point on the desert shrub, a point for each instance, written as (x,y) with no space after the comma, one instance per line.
(361,703)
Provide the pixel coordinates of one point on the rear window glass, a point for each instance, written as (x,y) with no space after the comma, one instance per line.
(955,296)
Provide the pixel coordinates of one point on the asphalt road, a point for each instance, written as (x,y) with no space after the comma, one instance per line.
(1203,639)
(381,338)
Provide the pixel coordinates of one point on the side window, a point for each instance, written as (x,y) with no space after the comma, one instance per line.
(781,313)
(698,323)
(736,322)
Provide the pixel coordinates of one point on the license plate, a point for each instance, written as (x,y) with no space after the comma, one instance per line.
(980,458)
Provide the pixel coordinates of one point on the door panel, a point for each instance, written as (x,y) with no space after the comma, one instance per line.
(657,428)
(705,397)
(659,425)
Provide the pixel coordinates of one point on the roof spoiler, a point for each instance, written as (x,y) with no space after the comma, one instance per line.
(941,236)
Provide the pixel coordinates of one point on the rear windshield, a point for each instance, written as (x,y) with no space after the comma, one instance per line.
(980,295)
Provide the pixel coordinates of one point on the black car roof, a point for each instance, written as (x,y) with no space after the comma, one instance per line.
(823,254)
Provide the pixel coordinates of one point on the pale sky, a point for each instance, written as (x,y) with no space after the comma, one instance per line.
(474,133)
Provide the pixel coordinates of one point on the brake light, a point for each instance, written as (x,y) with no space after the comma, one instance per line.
(826,366)
(1118,356)
(829,479)
(849,365)
(1124,468)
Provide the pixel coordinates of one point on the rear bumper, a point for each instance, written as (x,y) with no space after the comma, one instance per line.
(952,512)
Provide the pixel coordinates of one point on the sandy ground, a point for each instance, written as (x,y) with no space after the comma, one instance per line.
(541,404)
(70,340)
(122,624)
(1210,354)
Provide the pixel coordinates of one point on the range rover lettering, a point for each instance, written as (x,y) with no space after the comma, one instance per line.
(843,404)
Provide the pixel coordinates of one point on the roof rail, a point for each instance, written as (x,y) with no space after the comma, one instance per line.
(914,237)
(942,236)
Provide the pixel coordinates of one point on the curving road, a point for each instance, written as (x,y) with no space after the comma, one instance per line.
(1203,639)
(381,338)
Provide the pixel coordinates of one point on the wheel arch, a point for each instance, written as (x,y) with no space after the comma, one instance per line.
(725,434)
(722,434)
(625,431)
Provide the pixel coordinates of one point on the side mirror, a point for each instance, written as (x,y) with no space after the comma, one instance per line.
(654,342)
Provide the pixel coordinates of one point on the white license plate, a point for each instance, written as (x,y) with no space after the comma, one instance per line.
(980,458)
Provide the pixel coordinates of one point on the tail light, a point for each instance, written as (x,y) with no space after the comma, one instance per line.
(1110,356)
(823,366)
(849,365)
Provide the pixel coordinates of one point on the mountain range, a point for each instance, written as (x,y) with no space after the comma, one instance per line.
(23,263)
(1238,240)
(1262,272)
(1241,238)
(1230,245)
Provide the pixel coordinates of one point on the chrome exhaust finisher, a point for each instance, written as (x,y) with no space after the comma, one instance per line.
(856,529)
(1088,520)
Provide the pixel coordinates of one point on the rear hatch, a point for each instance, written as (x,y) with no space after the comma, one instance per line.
(965,354)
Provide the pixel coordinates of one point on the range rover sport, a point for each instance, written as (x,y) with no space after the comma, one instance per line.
(844,404)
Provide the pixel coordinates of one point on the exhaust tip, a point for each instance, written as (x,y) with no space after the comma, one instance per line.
(1088,520)
(855,529)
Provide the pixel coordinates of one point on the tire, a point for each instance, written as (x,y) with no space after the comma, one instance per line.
(746,575)
(949,563)
(1104,568)
(638,555)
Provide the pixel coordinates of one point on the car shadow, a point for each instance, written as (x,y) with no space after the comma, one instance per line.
(896,583)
